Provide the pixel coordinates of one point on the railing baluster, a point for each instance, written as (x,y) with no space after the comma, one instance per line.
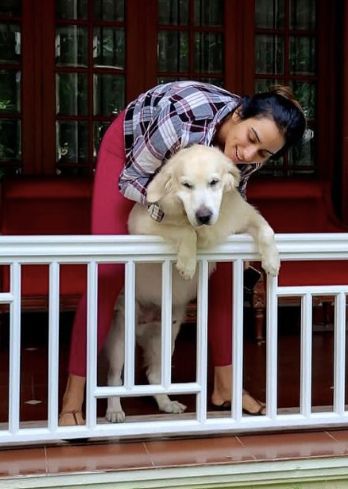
(166,324)
(340,354)
(92,340)
(129,300)
(15,348)
(306,355)
(202,339)
(53,346)
(237,339)
(272,347)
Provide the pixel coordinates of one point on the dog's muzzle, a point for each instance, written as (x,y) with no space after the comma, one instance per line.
(204,215)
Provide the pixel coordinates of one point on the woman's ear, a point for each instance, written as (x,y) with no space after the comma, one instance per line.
(159,186)
(236,116)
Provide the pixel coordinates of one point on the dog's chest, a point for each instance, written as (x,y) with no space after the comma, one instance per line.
(210,236)
(149,285)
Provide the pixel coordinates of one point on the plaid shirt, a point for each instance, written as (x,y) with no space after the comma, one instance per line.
(162,121)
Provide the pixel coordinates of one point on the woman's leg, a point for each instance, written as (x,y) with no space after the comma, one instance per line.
(109,216)
(220,339)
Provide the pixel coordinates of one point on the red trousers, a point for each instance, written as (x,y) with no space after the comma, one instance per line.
(110,211)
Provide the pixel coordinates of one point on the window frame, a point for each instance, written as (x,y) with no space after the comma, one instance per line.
(38,72)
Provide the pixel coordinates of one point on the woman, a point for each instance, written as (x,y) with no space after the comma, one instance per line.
(150,130)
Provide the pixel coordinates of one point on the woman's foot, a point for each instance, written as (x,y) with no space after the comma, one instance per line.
(71,413)
(251,405)
(221,396)
(71,418)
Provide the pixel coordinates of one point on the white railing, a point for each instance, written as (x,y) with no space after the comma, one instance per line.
(93,250)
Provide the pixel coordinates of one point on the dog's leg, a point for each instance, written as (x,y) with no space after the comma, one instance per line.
(185,240)
(151,343)
(187,255)
(115,354)
(263,235)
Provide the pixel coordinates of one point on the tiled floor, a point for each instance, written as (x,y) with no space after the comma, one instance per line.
(111,456)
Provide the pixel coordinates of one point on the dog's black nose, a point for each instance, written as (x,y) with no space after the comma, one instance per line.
(203,215)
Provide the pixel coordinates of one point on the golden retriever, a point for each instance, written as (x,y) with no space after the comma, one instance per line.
(197,191)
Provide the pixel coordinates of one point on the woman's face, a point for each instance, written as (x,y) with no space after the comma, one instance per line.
(249,141)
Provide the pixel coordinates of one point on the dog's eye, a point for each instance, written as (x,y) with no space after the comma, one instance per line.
(213,182)
(187,185)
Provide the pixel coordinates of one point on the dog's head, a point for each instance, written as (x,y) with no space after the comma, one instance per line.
(196,177)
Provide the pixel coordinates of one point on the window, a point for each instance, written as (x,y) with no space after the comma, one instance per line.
(62,80)
(89,77)
(286,53)
(10,86)
(68,66)
(190,40)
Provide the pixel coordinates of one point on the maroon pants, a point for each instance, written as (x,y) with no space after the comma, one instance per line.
(110,211)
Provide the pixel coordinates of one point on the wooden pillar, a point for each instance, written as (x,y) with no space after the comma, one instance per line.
(344,63)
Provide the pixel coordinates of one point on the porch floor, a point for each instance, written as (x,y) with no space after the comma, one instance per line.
(111,455)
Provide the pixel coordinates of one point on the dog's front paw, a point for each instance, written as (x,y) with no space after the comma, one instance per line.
(271,264)
(173,407)
(115,416)
(186,268)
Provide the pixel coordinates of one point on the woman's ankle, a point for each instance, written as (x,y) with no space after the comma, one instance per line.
(222,384)
(74,394)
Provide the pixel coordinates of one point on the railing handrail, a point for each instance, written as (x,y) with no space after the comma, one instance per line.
(79,248)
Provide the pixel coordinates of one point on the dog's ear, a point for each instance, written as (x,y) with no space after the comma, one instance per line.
(159,186)
(232,177)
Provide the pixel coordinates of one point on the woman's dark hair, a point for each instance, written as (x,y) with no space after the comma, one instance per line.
(280,105)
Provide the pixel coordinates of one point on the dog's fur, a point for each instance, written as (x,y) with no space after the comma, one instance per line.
(196,189)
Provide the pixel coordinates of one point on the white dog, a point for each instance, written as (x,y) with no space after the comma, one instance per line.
(196,189)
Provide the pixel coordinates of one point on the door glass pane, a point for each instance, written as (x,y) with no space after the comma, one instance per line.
(72,139)
(10,89)
(71,46)
(173,51)
(10,140)
(71,9)
(108,94)
(109,10)
(269,14)
(10,43)
(11,8)
(274,167)
(305,92)
(209,12)
(302,55)
(265,85)
(269,54)
(99,131)
(302,14)
(71,96)
(219,82)
(109,47)
(301,156)
(209,52)
(168,79)
(173,12)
